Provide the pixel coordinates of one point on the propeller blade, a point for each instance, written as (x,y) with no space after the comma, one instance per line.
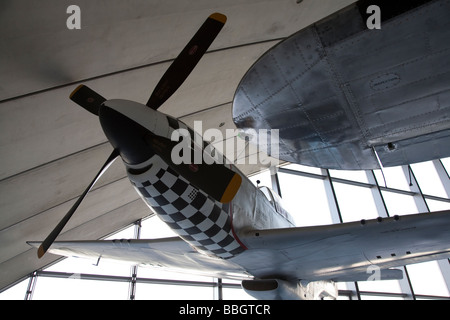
(187,60)
(87,98)
(216,180)
(52,236)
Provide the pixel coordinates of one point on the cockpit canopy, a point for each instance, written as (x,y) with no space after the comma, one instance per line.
(277,203)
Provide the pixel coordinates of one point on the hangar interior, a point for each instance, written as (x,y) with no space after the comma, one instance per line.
(314,196)
(51,148)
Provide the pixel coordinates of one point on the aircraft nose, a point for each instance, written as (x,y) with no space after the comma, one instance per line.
(125,135)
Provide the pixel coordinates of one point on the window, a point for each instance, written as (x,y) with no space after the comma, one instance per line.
(393,178)
(154,291)
(305,199)
(399,204)
(427,279)
(355,202)
(359,176)
(16,292)
(75,288)
(428,179)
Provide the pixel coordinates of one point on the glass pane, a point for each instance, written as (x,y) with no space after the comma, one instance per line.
(16,292)
(305,199)
(78,289)
(436,205)
(380,286)
(426,279)
(428,179)
(399,204)
(395,178)
(380,297)
(359,175)
(355,203)
(147,291)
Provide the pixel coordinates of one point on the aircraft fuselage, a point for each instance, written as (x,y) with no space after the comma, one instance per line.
(211,227)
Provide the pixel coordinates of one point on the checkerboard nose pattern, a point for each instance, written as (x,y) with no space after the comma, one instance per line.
(193,215)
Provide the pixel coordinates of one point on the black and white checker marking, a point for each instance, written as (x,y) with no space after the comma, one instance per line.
(193,215)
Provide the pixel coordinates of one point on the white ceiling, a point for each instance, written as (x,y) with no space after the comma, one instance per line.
(51,149)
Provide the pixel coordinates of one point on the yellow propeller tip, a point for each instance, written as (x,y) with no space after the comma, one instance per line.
(41,251)
(219,17)
(76,90)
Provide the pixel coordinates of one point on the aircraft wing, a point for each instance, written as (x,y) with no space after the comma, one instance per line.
(341,252)
(169,254)
(337,90)
(348,252)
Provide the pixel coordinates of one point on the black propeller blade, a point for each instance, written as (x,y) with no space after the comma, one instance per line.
(52,236)
(226,182)
(187,60)
(87,98)
(219,182)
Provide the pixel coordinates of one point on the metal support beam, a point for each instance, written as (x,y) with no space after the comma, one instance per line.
(219,289)
(377,195)
(31,286)
(134,269)
(333,204)
(419,198)
(275,181)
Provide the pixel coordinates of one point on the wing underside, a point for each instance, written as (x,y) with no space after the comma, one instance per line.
(337,91)
(169,254)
